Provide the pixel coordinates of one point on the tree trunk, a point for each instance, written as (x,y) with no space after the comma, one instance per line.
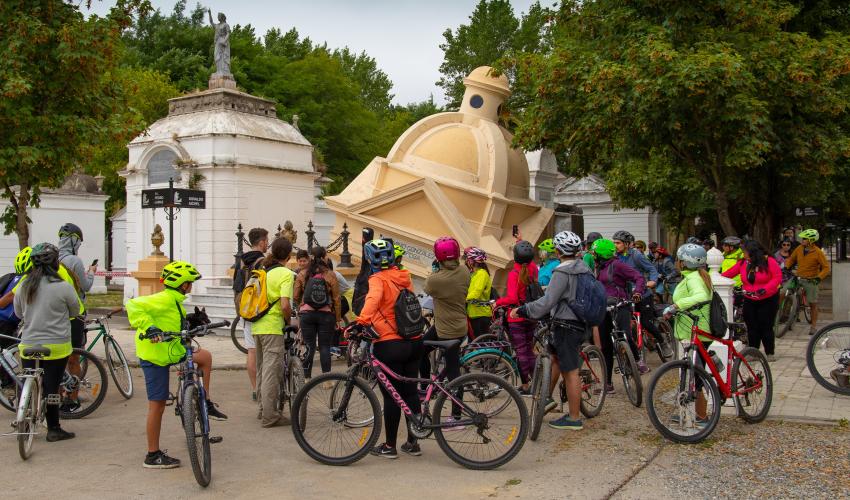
(21,226)
(763,229)
(721,202)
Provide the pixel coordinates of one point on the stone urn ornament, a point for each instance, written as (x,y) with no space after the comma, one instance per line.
(157,239)
(289,232)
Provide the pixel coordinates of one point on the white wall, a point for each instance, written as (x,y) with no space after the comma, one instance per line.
(604,219)
(83,209)
(119,245)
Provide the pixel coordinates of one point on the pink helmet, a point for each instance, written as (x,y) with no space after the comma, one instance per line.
(446,248)
(475,255)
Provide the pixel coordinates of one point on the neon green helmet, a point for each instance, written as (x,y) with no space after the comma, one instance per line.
(603,248)
(547,245)
(178,272)
(398,251)
(23,261)
(809,234)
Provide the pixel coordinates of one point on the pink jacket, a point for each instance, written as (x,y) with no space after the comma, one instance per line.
(515,294)
(770,280)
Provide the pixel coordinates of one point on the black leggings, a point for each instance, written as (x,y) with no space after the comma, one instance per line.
(480,326)
(54,369)
(759,316)
(323,325)
(648,317)
(624,318)
(402,357)
(450,356)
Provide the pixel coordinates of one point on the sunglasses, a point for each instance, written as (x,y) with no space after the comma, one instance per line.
(786,244)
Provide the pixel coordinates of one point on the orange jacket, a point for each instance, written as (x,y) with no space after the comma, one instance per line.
(379,308)
(812,264)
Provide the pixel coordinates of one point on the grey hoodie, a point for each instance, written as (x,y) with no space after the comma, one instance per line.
(47,319)
(561,291)
(68,246)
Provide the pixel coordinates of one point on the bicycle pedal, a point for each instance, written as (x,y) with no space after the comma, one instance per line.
(54,399)
(216,439)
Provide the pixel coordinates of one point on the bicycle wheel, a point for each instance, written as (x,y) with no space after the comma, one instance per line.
(25,423)
(665,331)
(196,427)
(671,400)
(236,335)
(118,367)
(787,314)
(592,379)
(491,361)
(828,357)
(326,426)
(752,406)
(494,430)
(629,371)
(90,387)
(807,312)
(487,337)
(294,381)
(534,389)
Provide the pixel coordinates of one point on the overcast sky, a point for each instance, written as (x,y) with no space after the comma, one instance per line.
(402,35)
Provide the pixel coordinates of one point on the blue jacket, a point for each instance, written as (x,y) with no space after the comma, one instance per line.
(638,261)
(545,274)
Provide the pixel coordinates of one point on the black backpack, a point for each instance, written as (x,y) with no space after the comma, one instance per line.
(533,291)
(717,316)
(316,293)
(408,315)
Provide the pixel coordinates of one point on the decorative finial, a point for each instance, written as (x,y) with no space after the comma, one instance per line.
(288,232)
(157,239)
(295,119)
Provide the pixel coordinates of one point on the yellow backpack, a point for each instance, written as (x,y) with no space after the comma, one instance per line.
(254,298)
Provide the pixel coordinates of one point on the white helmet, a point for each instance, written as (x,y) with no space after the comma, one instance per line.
(567,242)
(693,256)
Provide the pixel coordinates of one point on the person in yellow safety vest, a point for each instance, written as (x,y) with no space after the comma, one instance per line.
(732,253)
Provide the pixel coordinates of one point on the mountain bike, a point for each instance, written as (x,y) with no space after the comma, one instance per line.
(791,301)
(541,380)
(339,427)
(32,409)
(498,326)
(592,378)
(116,361)
(292,374)
(626,365)
(684,401)
(190,401)
(828,357)
(645,339)
(236,336)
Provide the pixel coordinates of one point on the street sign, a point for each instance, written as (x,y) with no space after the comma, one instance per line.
(806,212)
(156,198)
(190,198)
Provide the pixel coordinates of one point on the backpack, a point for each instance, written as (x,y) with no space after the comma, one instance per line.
(254,299)
(7,283)
(241,276)
(408,315)
(316,293)
(717,316)
(590,300)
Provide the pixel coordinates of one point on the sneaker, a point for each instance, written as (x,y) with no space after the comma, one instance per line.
(452,425)
(213,413)
(70,406)
(771,358)
(411,449)
(59,434)
(812,330)
(566,423)
(609,389)
(667,350)
(159,460)
(642,368)
(384,451)
(524,391)
(700,422)
(550,405)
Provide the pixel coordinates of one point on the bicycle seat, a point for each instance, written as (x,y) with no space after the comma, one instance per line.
(37,352)
(443,344)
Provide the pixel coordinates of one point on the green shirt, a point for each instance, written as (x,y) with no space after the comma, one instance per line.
(729,261)
(479,291)
(165,311)
(279,282)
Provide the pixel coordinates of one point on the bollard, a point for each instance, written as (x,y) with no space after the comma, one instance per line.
(345,256)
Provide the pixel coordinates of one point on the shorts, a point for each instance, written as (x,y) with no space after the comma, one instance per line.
(247,338)
(811,290)
(78,333)
(156,380)
(566,344)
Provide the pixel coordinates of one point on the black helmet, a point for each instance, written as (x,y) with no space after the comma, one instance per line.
(523,252)
(732,241)
(591,237)
(694,240)
(71,229)
(45,254)
(624,236)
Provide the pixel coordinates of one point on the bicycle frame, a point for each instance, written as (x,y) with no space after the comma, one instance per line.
(725,386)
(101,332)
(188,376)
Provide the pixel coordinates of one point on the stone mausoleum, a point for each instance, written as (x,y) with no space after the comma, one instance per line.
(451,173)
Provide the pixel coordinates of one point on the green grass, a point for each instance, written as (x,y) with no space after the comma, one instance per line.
(108,300)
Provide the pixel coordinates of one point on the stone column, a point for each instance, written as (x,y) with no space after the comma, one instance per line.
(841,291)
(723,286)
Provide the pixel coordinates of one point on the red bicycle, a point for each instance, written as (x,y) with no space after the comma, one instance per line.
(684,400)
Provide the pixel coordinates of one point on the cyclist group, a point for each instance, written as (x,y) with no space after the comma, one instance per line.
(49,292)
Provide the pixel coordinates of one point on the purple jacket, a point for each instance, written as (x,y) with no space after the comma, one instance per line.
(615,275)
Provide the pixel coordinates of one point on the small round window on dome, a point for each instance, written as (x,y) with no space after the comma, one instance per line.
(476,101)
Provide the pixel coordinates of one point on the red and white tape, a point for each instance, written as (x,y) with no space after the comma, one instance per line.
(114,274)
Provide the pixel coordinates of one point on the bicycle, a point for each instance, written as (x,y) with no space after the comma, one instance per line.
(592,377)
(828,357)
(540,381)
(116,361)
(190,401)
(791,300)
(236,337)
(292,375)
(626,365)
(340,427)
(90,387)
(649,341)
(679,388)
(31,411)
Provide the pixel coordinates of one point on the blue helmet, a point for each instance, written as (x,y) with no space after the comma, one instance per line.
(379,254)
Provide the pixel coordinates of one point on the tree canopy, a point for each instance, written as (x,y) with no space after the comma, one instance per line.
(734,106)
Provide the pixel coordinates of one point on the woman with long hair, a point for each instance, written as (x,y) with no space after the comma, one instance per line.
(317,290)
(477,297)
(761,277)
(46,305)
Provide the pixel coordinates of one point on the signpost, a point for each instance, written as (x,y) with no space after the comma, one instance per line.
(170,198)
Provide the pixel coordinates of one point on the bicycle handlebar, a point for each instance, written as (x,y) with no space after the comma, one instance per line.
(198,331)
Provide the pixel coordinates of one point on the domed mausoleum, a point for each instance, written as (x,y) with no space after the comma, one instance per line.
(452,174)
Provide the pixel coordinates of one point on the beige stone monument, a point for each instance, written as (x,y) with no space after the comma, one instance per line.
(150,268)
(451,173)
